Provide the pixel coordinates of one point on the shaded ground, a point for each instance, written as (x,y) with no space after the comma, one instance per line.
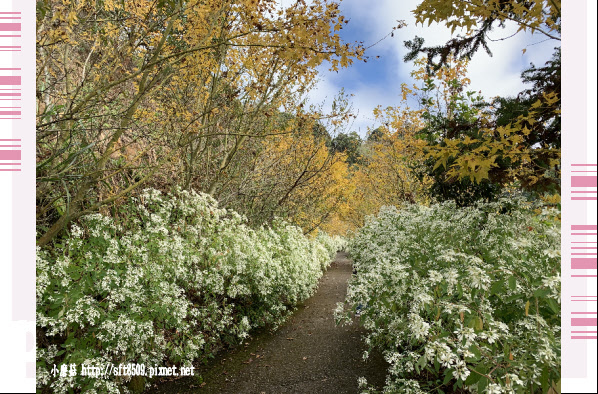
(308,354)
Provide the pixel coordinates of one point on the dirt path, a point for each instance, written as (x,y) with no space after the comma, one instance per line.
(309,354)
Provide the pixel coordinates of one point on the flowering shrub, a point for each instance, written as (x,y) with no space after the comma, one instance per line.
(333,244)
(460,299)
(168,285)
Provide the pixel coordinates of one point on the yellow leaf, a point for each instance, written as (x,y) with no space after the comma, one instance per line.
(479,323)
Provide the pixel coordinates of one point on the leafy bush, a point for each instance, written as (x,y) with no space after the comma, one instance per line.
(168,284)
(333,244)
(461,299)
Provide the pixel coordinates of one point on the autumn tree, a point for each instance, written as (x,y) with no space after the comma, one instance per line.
(291,175)
(139,91)
(478,147)
(473,149)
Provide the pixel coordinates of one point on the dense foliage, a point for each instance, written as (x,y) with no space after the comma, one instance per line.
(169,281)
(167,93)
(478,147)
(461,299)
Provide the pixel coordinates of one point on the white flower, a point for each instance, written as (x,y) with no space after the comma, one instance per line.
(418,327)
(493,388)
(461,372)
(76,231)
(435,276)
(362,382)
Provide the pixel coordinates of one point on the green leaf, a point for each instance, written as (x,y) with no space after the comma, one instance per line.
(75,274)
(472,379)
(421,363)
(476,354)
(544,379)
(513,298)
(553,306)
(512,283)
(497,287)
(482,384)
(470,321)
(448,376)
(541,293)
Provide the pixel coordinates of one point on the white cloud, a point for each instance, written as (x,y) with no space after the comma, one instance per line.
(494,76)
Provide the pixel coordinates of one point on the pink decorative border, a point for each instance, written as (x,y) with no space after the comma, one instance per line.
(577,191)
(578,243)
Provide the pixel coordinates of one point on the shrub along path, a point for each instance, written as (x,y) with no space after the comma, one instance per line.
(308,354)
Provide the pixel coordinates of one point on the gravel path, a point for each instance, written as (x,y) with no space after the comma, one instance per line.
(308,354)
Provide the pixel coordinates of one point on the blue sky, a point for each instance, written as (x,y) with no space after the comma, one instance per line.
(378,81)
